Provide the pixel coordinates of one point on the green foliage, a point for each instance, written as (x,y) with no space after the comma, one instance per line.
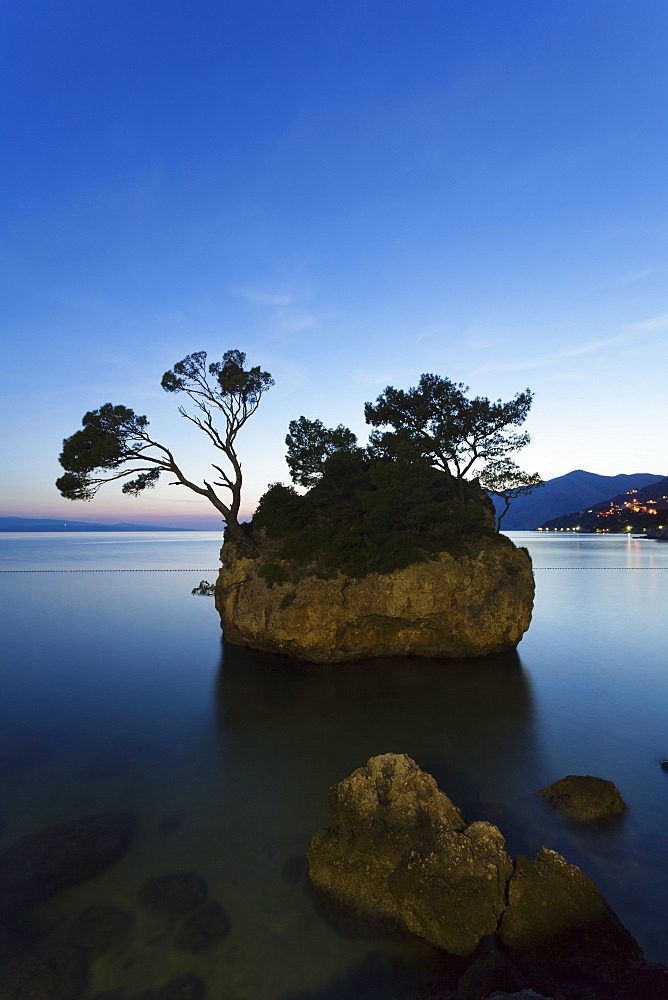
(235,384)
(448,428)
(204,589)
(273,572)
(288,599)
(366,515)
(114,444)
(310,444)
(109,438)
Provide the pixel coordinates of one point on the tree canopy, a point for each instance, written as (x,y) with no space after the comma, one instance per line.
(114,442)
(434,420)
(367,514)
(310,444)
(455,432)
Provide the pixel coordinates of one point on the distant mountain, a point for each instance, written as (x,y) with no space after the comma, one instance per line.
(48,524)
(573,492)
(637,510)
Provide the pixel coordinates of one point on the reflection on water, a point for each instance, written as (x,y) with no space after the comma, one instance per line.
(116,696)
(467,723)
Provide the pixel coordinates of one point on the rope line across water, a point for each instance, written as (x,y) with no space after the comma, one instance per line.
(216,569)
(109,570)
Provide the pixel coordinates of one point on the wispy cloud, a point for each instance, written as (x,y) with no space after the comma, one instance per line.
(645,272)
(659,324)
(630,331)
(292,311)
(546,360)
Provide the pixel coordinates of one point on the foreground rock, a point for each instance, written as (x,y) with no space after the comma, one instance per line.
(584,798)
(38,866)
(472,605)
(397,849)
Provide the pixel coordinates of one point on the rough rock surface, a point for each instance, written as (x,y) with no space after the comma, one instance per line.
(584,798)
(41,864)
(557,918)
(398,849)
(472,605)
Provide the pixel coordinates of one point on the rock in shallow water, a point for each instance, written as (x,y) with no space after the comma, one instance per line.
(397,849)
(37,866)
(184,988)
(101,928)
(176,893)
(470,605)
(203,929)
(584,798)
(46,974)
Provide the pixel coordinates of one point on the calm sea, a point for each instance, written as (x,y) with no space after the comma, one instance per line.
(116,692)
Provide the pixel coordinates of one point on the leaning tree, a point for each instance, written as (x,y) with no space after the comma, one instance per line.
(507,481)
(114,442)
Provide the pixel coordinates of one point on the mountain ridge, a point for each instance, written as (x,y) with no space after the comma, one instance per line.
(635,510)
(574,491)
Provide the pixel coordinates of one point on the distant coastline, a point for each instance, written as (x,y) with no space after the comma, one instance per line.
(51,524)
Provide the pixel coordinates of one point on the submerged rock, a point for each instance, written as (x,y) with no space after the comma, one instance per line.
(184,988)
(46,974)
(449,606)
(37,866)
(203,929)
(176,893)
(102,928)
(584,798)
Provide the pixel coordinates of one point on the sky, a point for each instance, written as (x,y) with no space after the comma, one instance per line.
(352,193)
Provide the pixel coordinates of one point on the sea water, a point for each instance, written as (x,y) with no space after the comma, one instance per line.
(117,693)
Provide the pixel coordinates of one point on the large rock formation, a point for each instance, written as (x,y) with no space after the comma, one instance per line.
(450,606)
(397,849)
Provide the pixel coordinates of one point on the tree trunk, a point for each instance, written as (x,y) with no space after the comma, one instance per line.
(503,512)
(243,542)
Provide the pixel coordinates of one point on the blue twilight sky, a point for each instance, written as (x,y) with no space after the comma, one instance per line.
(352,192)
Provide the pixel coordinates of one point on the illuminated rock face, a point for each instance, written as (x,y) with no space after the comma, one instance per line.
(471,605)
(398,850)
